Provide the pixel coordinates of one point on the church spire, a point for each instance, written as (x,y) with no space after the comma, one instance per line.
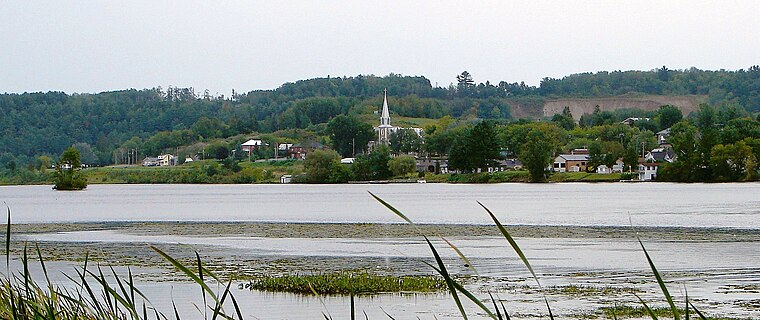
(384,129)
(385,116)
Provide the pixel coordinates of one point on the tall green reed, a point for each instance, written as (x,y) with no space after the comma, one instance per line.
(456,288)
(95,294)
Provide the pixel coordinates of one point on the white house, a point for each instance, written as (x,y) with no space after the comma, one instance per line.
(648,171)
(652,160)
(603,169)
(252,144)
(163,160)
(618,167)
(151,162)
(167,160)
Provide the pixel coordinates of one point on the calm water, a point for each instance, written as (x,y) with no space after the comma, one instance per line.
(709,269)
(652,204)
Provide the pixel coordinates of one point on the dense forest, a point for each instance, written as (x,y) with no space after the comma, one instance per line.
(103,126)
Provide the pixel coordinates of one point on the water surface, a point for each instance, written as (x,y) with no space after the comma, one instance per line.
(735,205)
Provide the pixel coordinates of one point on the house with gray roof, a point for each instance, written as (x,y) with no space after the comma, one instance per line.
(570,163)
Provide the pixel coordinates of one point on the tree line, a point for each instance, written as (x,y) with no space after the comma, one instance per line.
(108,126)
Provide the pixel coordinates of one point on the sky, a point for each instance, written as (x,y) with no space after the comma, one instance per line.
(95,46)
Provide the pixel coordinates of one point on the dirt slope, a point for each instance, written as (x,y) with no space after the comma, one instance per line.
(578,107)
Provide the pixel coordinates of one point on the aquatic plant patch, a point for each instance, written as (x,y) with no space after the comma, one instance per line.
(345,283)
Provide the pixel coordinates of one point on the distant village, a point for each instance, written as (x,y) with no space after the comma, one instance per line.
(574,160)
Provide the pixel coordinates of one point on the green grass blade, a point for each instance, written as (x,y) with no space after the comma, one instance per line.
(496,307)
(647,308)
(321,301)
(353,308)
(475,300)
(386,313)
(25,262)
(519,252)
(211,274)
(449,282)
(686,310)
(462,256)
(131,284)
(391,208)
(176,314)
(512,243)
(657,276)
(237,307)
(187,272)
(124,292)
(220,304)
(503,308)
(115,295)
(42,264)
(200,276)
(699,313)
(8,241)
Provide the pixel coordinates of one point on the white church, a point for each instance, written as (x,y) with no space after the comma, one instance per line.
(385,129)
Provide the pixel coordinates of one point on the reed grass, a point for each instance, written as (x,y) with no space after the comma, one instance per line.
(93,293)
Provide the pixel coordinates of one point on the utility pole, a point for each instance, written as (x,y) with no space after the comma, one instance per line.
(353,147)
(642,149)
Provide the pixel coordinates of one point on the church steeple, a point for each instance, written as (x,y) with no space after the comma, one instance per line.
(383,130)
(385,116)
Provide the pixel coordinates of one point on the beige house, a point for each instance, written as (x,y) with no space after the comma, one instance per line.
(570,163)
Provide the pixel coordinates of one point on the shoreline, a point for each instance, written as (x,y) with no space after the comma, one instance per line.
(390,230)
(548,182)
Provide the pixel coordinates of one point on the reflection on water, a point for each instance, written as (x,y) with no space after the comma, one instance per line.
(652,204)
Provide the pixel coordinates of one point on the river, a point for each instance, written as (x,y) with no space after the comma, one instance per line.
(731,205)
(722,275)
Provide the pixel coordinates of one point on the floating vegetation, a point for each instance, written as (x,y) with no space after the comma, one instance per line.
(345,283)
(587,290)
(637,312)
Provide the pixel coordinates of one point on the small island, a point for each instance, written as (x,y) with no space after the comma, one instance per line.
(68,174)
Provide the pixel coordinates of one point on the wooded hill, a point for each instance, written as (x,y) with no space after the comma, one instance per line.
(34,124)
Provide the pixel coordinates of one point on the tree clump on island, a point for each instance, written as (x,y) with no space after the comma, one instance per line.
(68,174)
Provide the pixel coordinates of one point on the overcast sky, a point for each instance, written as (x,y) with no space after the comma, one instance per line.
(94,46)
